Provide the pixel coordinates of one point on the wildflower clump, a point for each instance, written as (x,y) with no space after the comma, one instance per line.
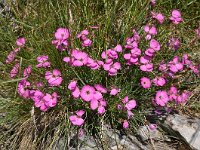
(119,71)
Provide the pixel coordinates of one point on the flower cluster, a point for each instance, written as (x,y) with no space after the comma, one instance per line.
(154,75)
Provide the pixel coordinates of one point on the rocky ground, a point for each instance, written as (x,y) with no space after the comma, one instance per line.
(177,132)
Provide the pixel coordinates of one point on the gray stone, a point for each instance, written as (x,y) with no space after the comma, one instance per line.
(145,133)
(188,128)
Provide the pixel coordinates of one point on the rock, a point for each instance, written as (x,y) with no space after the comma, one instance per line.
(145,133)
(188,128)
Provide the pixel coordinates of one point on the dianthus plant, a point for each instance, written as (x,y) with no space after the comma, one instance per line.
(117,83)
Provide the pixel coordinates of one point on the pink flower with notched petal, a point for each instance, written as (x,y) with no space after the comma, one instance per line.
(80,58)
(86,43)
(155,45)
(87,93)
(125,124)
(14,70)
(76,93)
(43,61)
(145,82)
(174,43)
(173,93)
(100,88)
(130,104)
(129,114)
(76,119)
(72,85)
(197,31)
(150,30)
(150,52)
(159,81)
(23,90)
(98,104)
(51,100)
(42,104)
(21,42)
(27,71)
(10,57)
(118,48)
(145,59)
(176,17)
(36,95)
(54,78)
(153,2)
(114,91)
(153,127)
(62,34)
(82,34)
(147,67)
(161,98)
(158,16)
(175,65)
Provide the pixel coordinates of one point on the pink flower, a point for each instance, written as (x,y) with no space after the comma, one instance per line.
(112,68)
(159,81)
(94,65)
(72,85)
(197,31)
(145,59)
(51,100)
(76,92)
(21,42)
(150,52)
(147,67)
(155,45)
(125,124)
(150,30)
(10,57)
(173,93)
(42,104)
(76,119)
(118,48)
(62,34)
(22,88)
(153,2)
(100,88)
(87,93)
(79,58)
(175,65)
(43,61)
(114,91)
(183,98)
(36,95)
(153,127)
(176,17)
(27,71)
(14,70)
(161,98)
(61,45)
(158,16)
(162,67)
(83,34)
(174,43)
(86,43)
(145,82)
(54,78)
(129,105)
(98,104)
(135,52)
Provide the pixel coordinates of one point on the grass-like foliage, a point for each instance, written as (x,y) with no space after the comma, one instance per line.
(94,62)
